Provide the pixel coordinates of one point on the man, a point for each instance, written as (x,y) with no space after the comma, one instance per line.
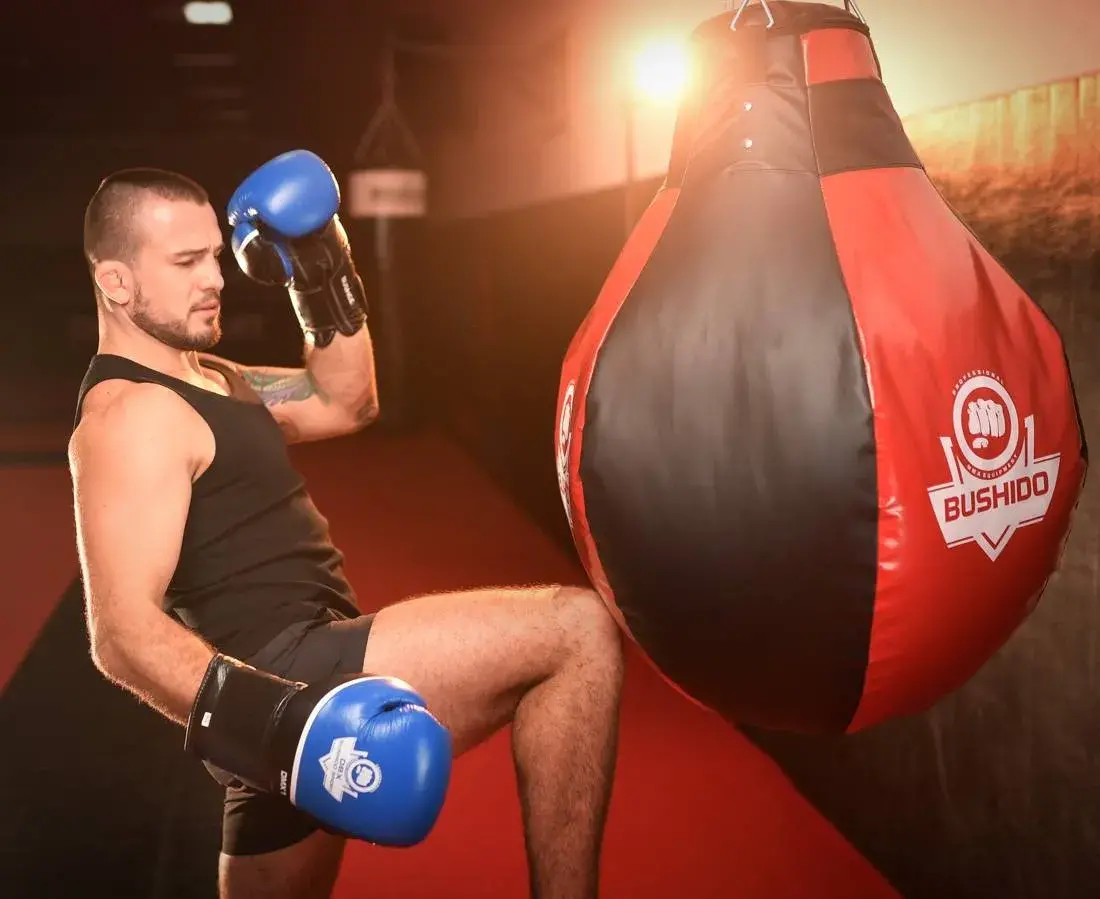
(214,593)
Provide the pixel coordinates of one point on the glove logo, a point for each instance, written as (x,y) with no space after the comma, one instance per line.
(349,294)
(348,771)
(565,439)
(997,484)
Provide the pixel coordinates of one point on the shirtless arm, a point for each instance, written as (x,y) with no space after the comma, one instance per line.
(132,488)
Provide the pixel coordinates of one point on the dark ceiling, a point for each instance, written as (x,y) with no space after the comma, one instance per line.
(283,69)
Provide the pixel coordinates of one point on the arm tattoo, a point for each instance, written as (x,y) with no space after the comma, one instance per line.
(276,389)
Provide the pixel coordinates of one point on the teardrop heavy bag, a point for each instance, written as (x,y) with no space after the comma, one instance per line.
(818,451)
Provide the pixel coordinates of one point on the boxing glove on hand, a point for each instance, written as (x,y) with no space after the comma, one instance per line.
(360,754)
(286,232)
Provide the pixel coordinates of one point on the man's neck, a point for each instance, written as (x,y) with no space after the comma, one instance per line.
(153,354)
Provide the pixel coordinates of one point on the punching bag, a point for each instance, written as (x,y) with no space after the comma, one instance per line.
(818,451)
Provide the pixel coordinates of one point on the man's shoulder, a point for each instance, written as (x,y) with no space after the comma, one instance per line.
(130,403)
(117,413)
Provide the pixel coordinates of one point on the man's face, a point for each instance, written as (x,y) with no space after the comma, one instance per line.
(177,274)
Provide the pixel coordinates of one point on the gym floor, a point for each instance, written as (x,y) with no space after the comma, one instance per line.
(697,811)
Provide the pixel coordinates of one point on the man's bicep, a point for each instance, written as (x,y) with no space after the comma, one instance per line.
(281,386)
(300,405)
(131,502)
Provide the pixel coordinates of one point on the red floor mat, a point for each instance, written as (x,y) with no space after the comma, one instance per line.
(697,811)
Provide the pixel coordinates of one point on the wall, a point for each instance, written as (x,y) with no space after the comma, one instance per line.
(47,180)
(489,320)
(935,54)
(1024,167)
(1039,130)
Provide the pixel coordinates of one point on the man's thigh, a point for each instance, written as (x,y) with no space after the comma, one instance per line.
(313,651)
(473,655)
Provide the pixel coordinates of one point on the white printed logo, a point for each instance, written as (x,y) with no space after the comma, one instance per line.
(997,484)
(565,440)
(345,283)
(348,771)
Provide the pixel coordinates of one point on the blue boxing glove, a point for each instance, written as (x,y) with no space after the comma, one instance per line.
(286,232)
(361,754)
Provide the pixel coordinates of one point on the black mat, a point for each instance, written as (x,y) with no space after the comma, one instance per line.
(96,793)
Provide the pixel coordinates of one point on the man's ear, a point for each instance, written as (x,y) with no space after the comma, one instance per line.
(115,281)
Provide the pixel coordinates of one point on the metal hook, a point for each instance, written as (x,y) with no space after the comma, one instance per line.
(741,9)
(387,124)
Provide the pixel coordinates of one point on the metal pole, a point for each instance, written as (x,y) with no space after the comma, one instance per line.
(628,189)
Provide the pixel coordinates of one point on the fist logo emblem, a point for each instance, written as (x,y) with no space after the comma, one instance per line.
(996,483)
(985,419)
(987,426)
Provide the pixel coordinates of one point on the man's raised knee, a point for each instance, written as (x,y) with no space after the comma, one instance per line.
(590,627)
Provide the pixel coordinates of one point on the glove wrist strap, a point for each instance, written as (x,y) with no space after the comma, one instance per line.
(337,305)
(232,719)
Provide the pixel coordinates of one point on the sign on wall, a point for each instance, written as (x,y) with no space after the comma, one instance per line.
(387,193)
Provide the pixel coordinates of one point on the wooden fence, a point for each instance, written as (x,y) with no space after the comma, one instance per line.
(1046,131)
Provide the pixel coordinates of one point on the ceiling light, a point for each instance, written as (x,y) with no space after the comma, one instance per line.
(206,12)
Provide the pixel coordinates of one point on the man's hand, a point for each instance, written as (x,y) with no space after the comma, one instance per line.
(286,231)
(362,754)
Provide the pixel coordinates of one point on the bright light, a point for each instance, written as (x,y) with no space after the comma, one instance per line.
(208,13)
(662,71)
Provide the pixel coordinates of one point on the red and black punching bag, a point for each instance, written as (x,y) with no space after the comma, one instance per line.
(818,451)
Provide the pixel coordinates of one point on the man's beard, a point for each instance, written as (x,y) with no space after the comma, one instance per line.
(174,334)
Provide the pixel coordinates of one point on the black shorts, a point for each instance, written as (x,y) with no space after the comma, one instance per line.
(255,822)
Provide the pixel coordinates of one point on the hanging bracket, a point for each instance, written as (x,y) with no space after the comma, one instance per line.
(388,180)
(388,123)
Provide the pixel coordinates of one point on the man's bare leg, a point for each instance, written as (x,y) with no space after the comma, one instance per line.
(306,870)
(547,659)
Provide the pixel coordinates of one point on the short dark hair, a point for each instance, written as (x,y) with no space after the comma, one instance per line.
(109,218)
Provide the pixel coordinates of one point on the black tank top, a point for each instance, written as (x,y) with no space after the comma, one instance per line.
(256,554)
